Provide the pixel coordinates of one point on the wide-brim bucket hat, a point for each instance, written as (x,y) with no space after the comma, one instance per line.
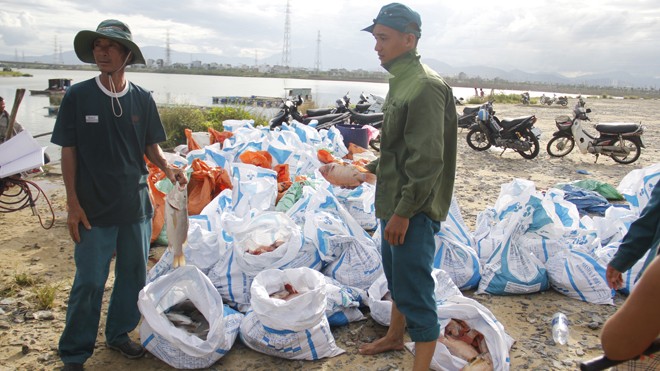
(111,29)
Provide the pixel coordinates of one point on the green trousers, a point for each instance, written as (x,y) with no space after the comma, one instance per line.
(408,270)
(93,256)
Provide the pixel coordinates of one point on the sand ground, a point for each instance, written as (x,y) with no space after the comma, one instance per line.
(27,343)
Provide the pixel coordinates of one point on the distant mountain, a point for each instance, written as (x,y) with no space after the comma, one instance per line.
(336,57)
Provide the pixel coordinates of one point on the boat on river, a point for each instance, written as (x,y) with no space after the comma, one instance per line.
(55,87)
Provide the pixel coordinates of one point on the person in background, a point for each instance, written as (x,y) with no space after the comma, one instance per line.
(106,126)
(643,236)
(4,122)
(635,325)
(481,92)
(415,180)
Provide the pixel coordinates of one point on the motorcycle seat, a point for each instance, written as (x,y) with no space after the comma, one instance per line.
(325,118)
(507,123)
(319,111)
(618,127)
(362,107)
(366,118)
(471,110)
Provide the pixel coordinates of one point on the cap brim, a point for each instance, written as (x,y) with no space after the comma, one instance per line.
(83,44)
(369,29)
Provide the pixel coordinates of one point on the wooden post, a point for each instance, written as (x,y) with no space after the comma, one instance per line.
(12,117)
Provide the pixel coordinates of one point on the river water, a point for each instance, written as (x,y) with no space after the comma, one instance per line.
(178,89)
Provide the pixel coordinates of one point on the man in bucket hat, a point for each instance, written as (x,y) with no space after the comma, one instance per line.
(106,125)
(415,175)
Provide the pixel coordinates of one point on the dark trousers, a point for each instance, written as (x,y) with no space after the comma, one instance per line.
(408,270)
(93,256)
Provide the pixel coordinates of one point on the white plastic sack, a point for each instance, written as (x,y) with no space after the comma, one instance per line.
(359,202)
(343,302)
(630,277)
(357,265)
(511,268)
(296,328)
(380,303)
(253,187)
(479,318)
(458,260)
(175,346)
(579,276)
(638,185)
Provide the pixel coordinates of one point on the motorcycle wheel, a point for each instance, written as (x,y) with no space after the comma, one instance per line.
(634,151)
(533,150)
(563,103)
(560,146)
(477,140)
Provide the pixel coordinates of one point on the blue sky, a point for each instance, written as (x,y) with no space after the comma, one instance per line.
(562,36)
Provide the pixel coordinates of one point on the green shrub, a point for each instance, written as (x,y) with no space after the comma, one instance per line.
(498,98)
(25,279)
(178,118)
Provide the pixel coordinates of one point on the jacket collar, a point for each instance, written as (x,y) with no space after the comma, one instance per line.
(399,64)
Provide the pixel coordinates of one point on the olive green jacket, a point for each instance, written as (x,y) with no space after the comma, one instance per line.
(417,161)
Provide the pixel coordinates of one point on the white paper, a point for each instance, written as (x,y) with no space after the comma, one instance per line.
(20,153)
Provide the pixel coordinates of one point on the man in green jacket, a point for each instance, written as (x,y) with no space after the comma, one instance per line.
(415,175)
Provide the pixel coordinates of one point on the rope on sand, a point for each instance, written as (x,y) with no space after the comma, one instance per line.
(21,197)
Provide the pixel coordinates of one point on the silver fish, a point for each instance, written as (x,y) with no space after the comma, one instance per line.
(176,219)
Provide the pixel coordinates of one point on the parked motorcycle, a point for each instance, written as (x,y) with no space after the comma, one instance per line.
(621,141)
(288,111)
(468,118)
(517,134)
(524,98)
(561,100)
(371,104)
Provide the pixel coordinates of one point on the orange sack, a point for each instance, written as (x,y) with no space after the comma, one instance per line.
(205,183)
(219,136)
(325,156)
(257,158)
(192,144)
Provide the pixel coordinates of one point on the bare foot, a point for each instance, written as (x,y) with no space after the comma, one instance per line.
(381,345)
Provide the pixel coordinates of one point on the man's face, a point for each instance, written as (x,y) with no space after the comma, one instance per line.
(109,55)
(391,43)
(2,105)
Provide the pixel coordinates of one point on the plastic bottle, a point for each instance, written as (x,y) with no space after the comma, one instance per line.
(560,328)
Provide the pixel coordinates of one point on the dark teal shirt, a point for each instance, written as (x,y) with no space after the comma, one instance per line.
(417,162)
(111,175)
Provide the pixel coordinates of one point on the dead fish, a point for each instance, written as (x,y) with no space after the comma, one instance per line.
(458,348)
(176,219)
(482,362)
(287,293)
(270,248)
(346,175)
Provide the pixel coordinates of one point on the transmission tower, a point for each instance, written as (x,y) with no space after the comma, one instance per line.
(286,50)
(55,49)
(168,51)
(317,65)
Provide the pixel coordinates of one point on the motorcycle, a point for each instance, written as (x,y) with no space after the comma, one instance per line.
(621,141)
(524,98)
(468,118)
(374,104)
(517,134)
(288,111)
(561,100)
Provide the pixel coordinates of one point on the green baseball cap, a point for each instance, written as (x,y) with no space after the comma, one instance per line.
(111,29)
(399,17)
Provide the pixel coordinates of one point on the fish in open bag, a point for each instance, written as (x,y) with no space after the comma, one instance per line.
(176,221)
(346,175)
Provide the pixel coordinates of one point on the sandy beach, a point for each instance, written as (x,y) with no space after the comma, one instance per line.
(29,341)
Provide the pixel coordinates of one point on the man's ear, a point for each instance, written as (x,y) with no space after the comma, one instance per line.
(410,40)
